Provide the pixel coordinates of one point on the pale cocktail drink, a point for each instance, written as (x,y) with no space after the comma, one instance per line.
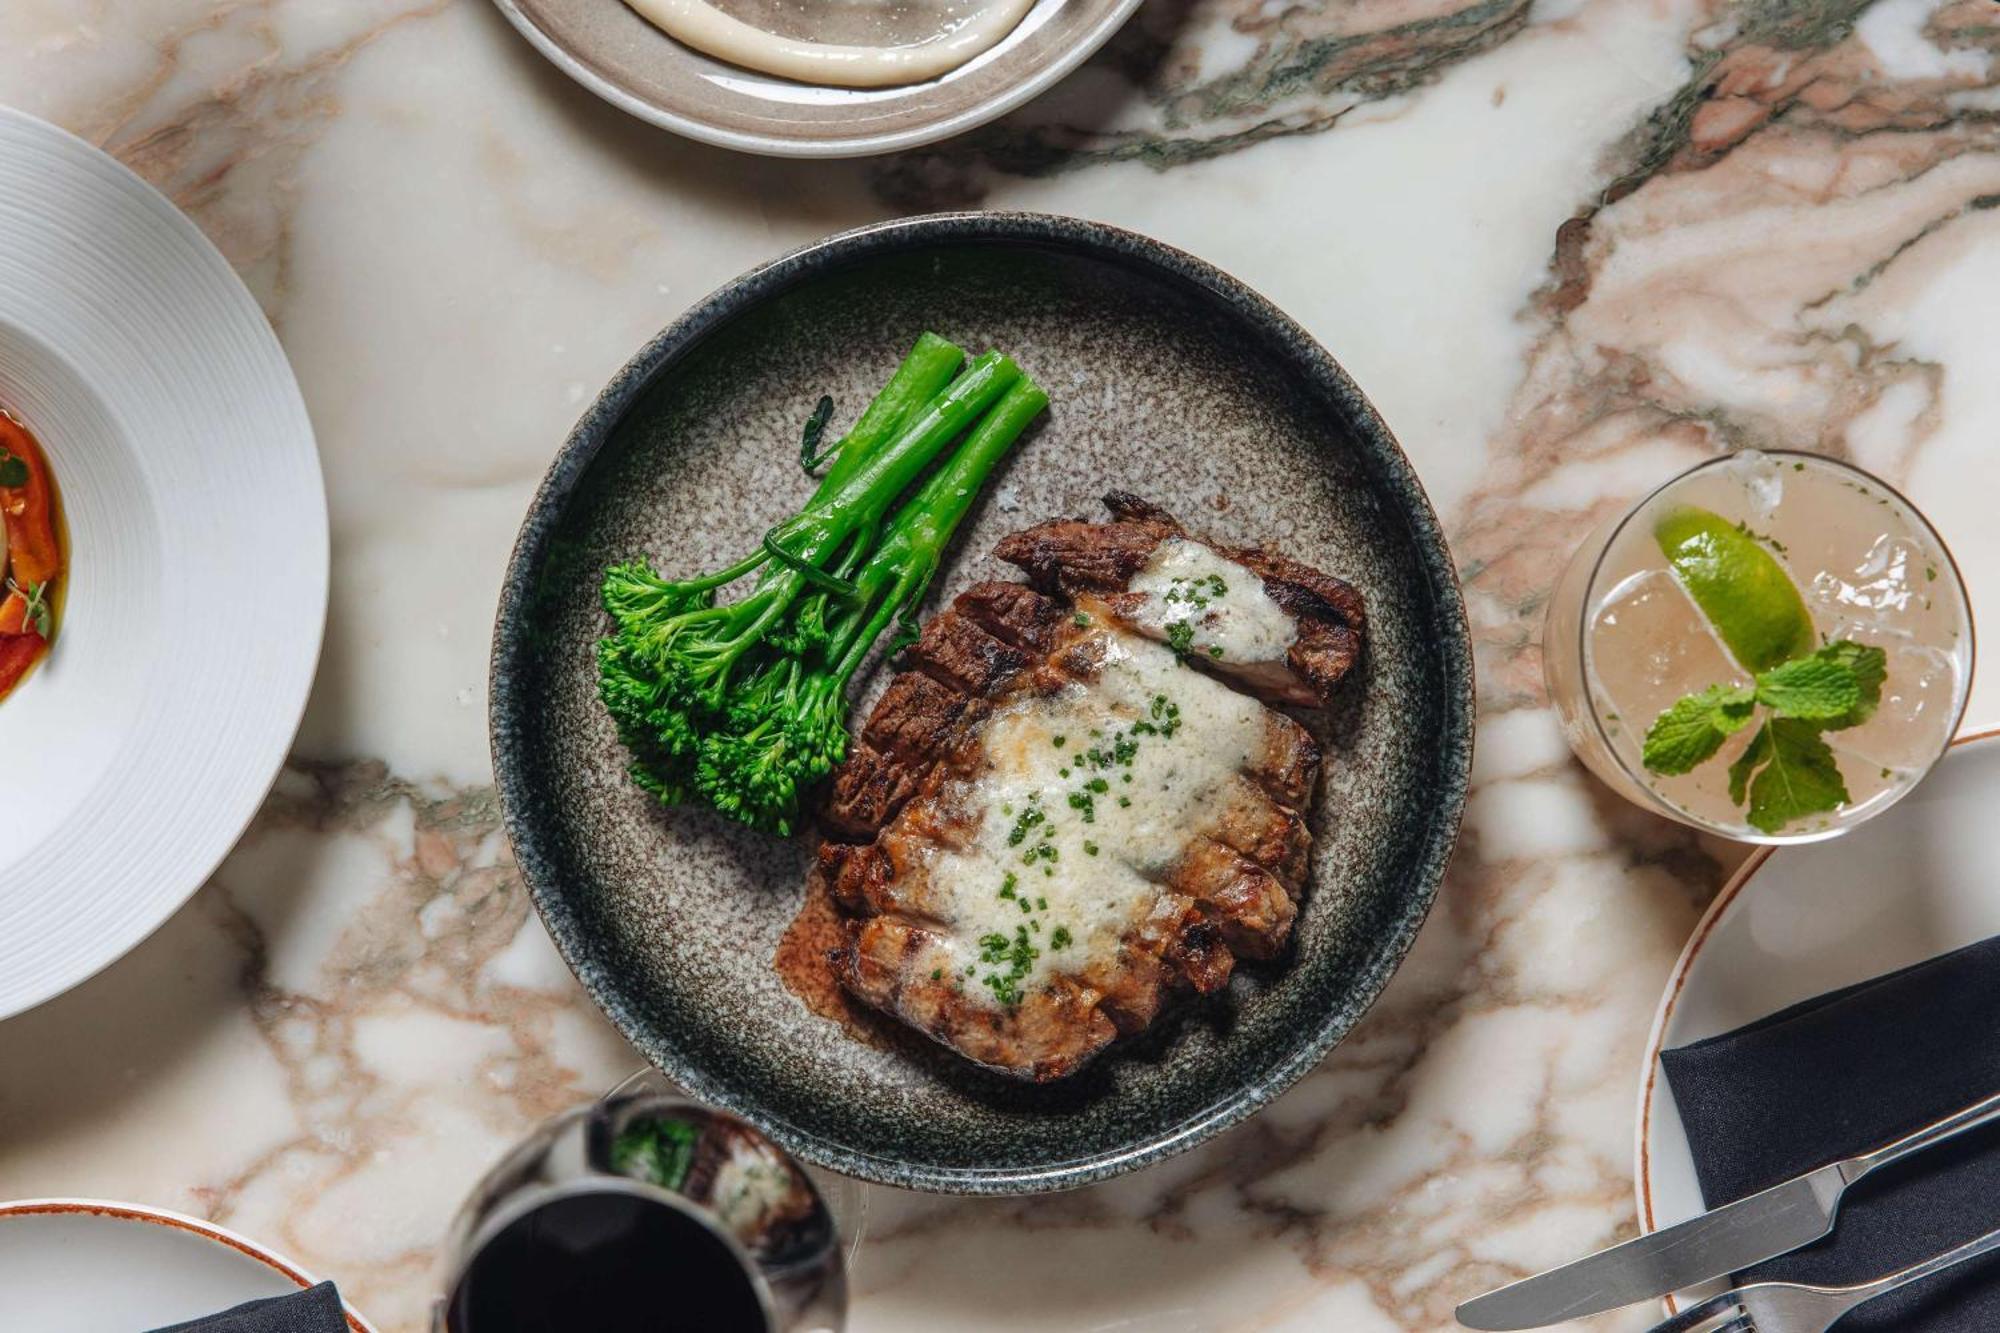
(1772,646)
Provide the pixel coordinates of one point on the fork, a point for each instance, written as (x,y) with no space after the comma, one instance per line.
(1793,1307)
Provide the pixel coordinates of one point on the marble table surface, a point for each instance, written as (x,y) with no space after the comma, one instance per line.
(1567,246)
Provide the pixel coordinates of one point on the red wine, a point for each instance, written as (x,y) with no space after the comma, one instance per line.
(609,1262)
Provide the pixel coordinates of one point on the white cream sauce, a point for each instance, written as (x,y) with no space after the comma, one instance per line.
(1228,615)
(1030,896)
(953,32)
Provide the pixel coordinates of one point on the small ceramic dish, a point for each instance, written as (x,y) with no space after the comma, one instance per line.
(1168,378)
(1797,922)
(138,749)
(88,1266)
(608,48)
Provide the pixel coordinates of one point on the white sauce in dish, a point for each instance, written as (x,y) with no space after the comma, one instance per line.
(1132,766)
(1228,615)
(964,29)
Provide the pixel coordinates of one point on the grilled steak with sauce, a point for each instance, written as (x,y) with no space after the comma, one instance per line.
(1072,801)
(1130,562)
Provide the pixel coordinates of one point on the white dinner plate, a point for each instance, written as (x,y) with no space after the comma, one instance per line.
(133,756)
(1917,881)
(87,1266)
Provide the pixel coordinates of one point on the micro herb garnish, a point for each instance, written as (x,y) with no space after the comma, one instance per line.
(1059,741)
(1787,771)
(1089,848)
(13,471)
(1124,801)
(1008,884)
(1098,785)
(1019,955)
(937,974)
(36,612)
(1041,851)
(1060,938)
(1180,638)
(1215,650)
(1079,620)
(1197,592)
(1041,904)
(1027,820)
(1085,805)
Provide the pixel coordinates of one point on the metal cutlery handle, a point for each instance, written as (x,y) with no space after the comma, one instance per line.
(1787,1306)
(1972,1249)
(1701,1315)
(1979,1113)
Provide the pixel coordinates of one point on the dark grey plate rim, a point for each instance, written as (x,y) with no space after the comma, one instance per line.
(1390,469)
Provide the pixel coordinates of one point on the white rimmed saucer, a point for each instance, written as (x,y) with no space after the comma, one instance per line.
(1920,880)
(132,758)
(605,46)
(89,1266)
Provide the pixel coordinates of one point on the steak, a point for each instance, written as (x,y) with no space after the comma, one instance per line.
(1072,557)
(1072,801)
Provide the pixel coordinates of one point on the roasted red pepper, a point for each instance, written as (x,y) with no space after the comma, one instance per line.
(20,645)
(33,553)
(17,653)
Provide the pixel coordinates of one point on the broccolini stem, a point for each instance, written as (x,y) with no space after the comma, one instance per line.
(932,517)
(867,494)
(923,376)
(920,378)
(916,538)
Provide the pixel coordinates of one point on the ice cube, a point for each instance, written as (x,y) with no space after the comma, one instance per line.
(1649,645)
(1919,698)
(1763,482)
(1879,590)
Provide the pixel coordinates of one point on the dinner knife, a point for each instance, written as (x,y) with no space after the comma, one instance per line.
(1721,1241)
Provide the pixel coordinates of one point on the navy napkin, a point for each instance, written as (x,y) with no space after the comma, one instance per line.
(1844,1073)
(314,1310)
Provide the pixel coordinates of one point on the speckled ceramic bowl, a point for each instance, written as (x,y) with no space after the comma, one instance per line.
(1169,379)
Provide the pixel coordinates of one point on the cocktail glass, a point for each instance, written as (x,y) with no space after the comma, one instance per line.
(1624,638)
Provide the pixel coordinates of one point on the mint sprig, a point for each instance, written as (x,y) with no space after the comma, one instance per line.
(1788,771)
(1696,726)
(1799,776)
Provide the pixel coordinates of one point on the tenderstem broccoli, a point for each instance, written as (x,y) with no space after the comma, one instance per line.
(742,704)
